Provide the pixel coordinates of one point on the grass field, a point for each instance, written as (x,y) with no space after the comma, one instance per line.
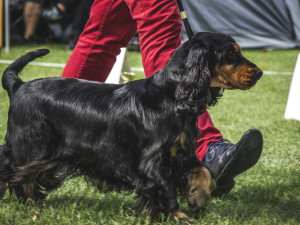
(269,193)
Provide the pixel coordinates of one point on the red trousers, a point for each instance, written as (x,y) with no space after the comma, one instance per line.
(111,26)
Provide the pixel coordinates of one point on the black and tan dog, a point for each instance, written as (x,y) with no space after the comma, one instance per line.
(139,135)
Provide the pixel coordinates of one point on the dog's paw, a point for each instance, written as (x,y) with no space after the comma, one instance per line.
(181,217)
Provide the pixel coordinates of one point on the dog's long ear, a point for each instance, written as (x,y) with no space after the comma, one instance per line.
(192,94)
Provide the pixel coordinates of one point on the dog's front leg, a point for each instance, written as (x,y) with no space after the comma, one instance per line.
(162,201)
(157,194)
(155,199)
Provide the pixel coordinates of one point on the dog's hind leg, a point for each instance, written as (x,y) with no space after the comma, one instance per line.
(19,192)
(2,189)
(24,181)
(33,191)
(39,177)
(6,171)
(28,191)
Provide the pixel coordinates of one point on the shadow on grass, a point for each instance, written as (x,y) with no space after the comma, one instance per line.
(118,208)
(275,197)
(111,204)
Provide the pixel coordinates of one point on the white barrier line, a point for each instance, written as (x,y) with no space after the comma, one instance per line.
(277,73)
(137,69)
(60,65)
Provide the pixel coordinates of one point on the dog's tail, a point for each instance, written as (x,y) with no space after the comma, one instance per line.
(10,80)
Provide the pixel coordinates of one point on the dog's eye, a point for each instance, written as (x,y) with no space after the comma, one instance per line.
(231,53)
(230,57)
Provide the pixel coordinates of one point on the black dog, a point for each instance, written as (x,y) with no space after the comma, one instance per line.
(139,135)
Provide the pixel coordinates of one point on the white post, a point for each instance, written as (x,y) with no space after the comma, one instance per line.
(292,110)
(7,25)
(120,65)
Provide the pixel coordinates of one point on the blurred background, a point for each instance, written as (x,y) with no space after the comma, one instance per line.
(268,24)
(253,23)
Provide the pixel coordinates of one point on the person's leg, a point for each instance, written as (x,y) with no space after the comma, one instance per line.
(109,28)
(31,18)
(65,5)
(159,29)
(80,16)
(208,134)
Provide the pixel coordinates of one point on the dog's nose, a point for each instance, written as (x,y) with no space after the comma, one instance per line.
(258,74)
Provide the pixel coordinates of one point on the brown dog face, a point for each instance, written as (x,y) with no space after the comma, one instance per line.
(199,188)
(234,71)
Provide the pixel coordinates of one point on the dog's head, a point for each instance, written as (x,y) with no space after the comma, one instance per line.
(199,188)
(211,62)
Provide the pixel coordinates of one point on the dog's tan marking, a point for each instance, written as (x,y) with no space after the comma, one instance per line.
(200,186)
(236,47)
(178,144)
(29,190)
(229,77)
(221,79)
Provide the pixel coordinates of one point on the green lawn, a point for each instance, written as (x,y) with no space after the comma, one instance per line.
(269,193)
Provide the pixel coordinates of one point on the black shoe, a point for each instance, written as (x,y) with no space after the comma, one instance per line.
(223,187)
(226,160)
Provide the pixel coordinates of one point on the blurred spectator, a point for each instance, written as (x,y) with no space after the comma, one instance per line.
(55,12)
(79,9)
(36,21)
(134,43)
(31,19)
